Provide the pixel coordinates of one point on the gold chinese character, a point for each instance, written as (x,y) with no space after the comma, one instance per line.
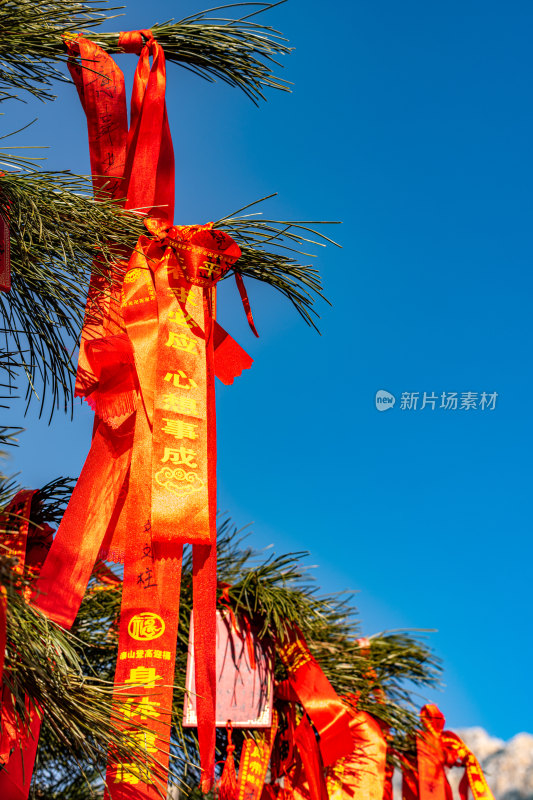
(145,740)
(146,626)
(181,342)
(209,267)
(139,654)
(128,773)
(123,656)
(180,455)
(180,317)
(158,654)
(176,377)
(180,430)
(166,655)
(183,295)
(142,707)
(144,676)
(179,404)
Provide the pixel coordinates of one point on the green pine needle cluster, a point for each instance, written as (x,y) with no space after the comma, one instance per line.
(237,50)
(59,233)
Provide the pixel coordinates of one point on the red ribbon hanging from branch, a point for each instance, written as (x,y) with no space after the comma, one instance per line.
(437,749)
(149,353)
(328,712)
(28,547)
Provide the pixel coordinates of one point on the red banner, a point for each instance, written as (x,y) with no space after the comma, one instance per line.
(5,255)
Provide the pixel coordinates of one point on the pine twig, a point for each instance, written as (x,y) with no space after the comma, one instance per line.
(238,51)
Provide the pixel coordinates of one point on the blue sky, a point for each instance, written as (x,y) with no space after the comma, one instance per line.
(412,124)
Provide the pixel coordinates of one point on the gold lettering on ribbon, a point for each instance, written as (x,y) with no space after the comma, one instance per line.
(294,655)
(146,626)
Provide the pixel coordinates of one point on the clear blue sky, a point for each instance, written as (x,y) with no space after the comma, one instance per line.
(412,123)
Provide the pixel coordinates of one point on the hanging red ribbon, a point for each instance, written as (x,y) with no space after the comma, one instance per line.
(361,776)
(5,255)
(438,749)
(255,757)
(328,712)
(147,366)
(27,546)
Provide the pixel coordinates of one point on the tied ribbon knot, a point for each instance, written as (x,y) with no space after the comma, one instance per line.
(204,254)
(134,41)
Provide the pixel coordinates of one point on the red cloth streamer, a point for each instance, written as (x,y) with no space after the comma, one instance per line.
(328,712)
(361,776)
(436,750)
(245,301)
(313,767)
(148,355)
(5,255)
(28,546)
(245,635)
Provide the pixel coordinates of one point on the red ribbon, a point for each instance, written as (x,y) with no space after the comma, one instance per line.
(28,546)
(436,750)
(328,712)
(361,776)
(253,766)
(5,255)
(147,363)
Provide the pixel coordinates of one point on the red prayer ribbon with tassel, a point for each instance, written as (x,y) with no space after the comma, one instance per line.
(253,766)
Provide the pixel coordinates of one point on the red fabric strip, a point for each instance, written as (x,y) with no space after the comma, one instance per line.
(311,760)
(64,577)
(329,714)
(144,675)
(245,301)
(149,169)
(204,615)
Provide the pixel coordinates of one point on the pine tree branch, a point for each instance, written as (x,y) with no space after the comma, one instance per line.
(238,51)
(265,244)
(31,33)
(56,232)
